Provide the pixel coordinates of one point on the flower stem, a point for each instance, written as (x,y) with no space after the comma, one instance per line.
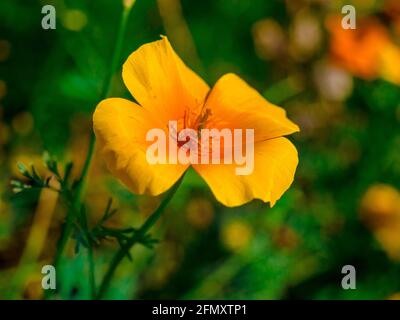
(82,182)
(92,279)
(123,251)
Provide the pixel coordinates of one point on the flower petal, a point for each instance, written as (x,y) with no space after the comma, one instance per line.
(160,82)
(275,163)
(235,105)
(121,127)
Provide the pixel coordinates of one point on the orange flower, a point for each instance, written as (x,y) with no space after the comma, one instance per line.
(358,50)
(167,90)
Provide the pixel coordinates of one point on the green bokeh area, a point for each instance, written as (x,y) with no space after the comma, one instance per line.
(296,250)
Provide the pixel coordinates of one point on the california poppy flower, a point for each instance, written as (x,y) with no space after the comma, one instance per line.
(167,90)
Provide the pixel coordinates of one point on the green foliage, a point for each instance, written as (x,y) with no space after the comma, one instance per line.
(294,250)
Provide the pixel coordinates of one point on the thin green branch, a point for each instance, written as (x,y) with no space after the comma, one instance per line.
(82,182)
(92,279)
(136,238)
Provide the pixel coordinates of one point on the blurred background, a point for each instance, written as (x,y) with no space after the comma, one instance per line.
(342,87)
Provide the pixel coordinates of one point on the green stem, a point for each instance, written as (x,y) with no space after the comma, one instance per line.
(122,252)
(76,204)
(82,182)
(92,279)
(117,52)
(90,244)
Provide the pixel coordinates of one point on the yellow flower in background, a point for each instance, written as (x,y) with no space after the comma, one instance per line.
(236,235)
(167,90)
(74,20)
(390,63)
(394,296)
(380,205)
(380,210)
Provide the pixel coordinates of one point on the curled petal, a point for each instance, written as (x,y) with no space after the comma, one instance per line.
(275,163)
(233,104)
(121,127)
(161,83)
